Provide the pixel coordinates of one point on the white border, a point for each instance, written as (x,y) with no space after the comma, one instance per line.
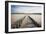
(24,29)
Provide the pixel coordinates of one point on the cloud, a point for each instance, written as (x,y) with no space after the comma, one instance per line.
(25,9)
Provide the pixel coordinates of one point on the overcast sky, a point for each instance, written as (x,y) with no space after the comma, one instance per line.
(25,9)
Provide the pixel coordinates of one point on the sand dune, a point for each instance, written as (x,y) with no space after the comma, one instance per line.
(26,21)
